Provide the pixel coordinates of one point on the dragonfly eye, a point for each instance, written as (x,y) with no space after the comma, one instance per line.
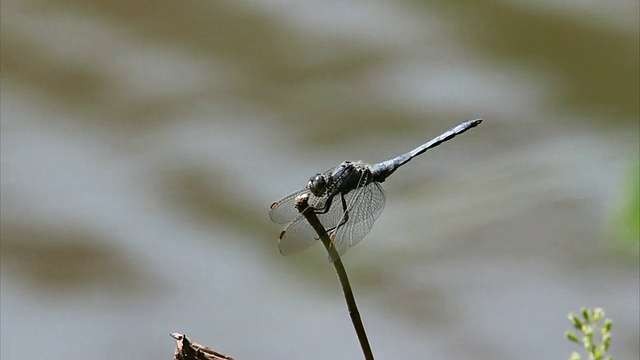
(317,184)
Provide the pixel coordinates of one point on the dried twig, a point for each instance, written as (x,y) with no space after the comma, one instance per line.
(189,350)
(303,207)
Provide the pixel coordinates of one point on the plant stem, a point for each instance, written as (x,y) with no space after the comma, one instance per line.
(303,207)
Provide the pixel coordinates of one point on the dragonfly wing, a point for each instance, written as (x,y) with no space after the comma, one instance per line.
(331,218)
(296,236)
(283,210)
(363,210)
(299,234)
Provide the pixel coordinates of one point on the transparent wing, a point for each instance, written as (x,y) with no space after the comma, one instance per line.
(296,236)
(283,210)
(363,210)
(299,234)
(335,215)
(346,217)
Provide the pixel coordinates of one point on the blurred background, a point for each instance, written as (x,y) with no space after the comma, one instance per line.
(143,142)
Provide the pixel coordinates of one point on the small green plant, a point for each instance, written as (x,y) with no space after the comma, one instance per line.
(589,326)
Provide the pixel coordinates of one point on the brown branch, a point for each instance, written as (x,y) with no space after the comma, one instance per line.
(189,350)
(303,207)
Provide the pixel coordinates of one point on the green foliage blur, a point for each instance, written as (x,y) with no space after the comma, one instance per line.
(625,223)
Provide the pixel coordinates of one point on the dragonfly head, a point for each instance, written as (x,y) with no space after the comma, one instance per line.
(317,184)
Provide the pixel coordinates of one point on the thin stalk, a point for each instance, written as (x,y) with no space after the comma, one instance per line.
(303,207)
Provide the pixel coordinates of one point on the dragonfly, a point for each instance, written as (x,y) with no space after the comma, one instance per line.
(347,199)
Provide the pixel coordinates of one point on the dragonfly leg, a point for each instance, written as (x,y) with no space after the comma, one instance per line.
(344,218)
(325,208)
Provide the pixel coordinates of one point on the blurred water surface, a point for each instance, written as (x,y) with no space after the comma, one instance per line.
(142,143)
